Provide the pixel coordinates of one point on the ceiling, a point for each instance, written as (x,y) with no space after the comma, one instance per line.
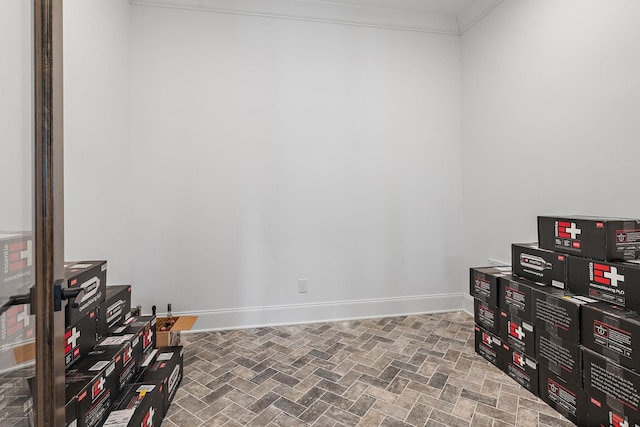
(432,16)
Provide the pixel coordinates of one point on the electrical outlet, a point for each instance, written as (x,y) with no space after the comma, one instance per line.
(495,263)
(303,286)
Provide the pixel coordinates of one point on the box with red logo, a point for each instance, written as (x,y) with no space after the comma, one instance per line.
(612,385)
(483,283)
(612,282)
(561,357)
(120,350)
(139,405)
(613,332)
(487,316)
(488,346)
(17,327)
(80,339)
(521,367)
(16,275)
(518,333)
(142,327)
(566,398)
(91,278)
(558,312)
(609,414)
(116,308)
(167,370)
(516,296)
(591,237)
(95,385)
(528,260)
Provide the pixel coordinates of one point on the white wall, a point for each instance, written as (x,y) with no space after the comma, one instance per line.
(97,161)
(551,100)
(268,150)
(16,115)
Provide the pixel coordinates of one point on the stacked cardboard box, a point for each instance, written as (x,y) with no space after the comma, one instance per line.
(106,349)
(583,353)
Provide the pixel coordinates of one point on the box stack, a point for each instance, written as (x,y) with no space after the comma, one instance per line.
(107,355)
(573,298)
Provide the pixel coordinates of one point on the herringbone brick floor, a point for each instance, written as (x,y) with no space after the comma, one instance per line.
(399,371)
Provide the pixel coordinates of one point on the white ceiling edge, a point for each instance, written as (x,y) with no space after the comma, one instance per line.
(334,12)
(477,10)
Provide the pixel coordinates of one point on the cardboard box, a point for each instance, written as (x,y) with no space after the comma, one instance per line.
(521,367)
(17,327)
(518,333)
(168,370)
(120,350)
(16,274)
(612,282)
(566,398)
(95,385)
(516,296)
(613,332)
(591,237)
(71,412)
(90,276)
(488,346)
(80,339)
(115,310)
(139,405)
(486,316)
(608,383)
(142,329)
(561,357)
(483,283)
(528,260)
(171,338)
(558,312)
(603,415)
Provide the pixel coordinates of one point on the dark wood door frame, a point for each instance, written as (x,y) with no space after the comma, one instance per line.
(49,206)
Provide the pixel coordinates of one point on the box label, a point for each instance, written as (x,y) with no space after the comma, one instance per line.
(556,353)
(613,338)
(515,298)
(614,385)
(562,396)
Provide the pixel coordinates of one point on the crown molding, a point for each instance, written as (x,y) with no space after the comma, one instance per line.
(476,10)
(340,13)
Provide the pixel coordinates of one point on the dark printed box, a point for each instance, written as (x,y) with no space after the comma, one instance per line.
(518,333)
(139,405)
(609,384)
(488,346)
(167,370)
(120,350)
(521,367)
(516,296)
(558,312)
(91,277)
(80,339)
(483,283)
(612,282)
(528,260)
(566,398)
(603,415)
(486,316)
(95,385)
(561,357)
(591,237)
(612,331)
(17,327)
(16,275)
(143,328)
(115,310)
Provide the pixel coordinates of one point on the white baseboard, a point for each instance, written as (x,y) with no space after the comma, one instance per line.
(213,320)
(467,304)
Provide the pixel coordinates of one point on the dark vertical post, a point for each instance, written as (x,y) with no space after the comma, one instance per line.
(49,227)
